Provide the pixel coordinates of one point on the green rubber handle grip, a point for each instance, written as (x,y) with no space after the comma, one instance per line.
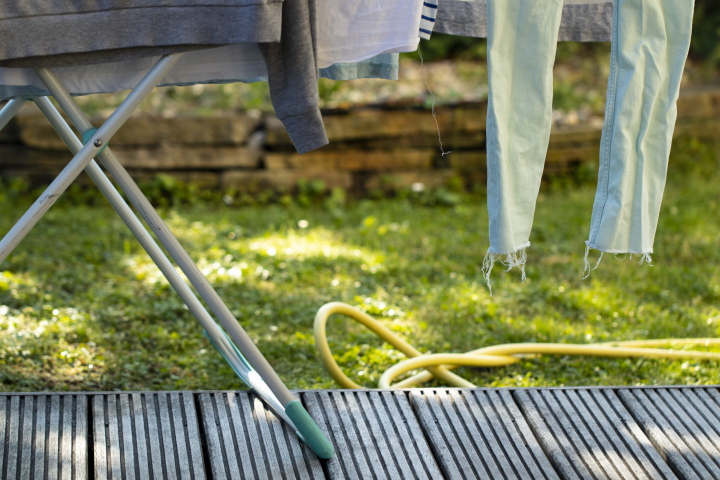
(308,430)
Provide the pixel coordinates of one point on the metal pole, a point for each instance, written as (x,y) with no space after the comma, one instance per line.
(137,228)
(9,111)
(157,225)
(213,331)
(85,155)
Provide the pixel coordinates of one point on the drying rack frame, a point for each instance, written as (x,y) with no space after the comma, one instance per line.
(232,341)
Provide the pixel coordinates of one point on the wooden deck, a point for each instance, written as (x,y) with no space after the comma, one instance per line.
(569,433)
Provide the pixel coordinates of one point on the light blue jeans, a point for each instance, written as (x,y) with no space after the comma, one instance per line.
(522,40)
(650,43)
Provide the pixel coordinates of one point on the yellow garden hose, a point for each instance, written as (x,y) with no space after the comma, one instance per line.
(438,365)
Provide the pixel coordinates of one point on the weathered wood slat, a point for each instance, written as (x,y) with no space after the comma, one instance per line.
(66,439)
(43,437)
(633,446)
(673,429)
(691,426)
(13,437)
(4,401)
(375,435)
(246,440)
(28,431)
(80,445)
(39,445)
(146,435)
(471,439)
(138,419)
(254,441)
(589,434)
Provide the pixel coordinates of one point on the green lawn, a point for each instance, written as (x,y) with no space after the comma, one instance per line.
(83,308)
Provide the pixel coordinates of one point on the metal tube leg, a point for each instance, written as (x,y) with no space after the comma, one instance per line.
(157,225)
(216,335)
(9,111)
(293,408)
(137,228)
(86,153)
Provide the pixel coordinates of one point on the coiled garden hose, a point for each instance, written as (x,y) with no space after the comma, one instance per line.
(438,365)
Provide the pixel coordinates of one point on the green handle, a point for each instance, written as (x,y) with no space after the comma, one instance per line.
(308,430)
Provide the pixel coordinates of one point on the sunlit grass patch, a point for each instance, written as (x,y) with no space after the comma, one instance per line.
(82,307)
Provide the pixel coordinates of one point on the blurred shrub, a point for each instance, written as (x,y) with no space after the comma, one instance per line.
(705,44)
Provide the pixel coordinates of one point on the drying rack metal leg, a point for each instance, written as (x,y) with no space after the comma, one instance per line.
(213,331)
(85,155)
(9,111)
(299,417)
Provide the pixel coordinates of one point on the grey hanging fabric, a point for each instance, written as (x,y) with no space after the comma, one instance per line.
(582,20)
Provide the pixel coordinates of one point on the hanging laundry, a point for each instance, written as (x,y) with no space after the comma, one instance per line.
(311,35)
(582,20)
(650,44)
(354,30)
(522,40)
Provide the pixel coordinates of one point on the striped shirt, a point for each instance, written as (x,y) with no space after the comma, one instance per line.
(427,19)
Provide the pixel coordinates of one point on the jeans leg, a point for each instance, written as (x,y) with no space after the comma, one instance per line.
(522,40)
(650,43)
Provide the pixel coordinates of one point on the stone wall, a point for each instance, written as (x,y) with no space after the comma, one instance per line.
(379,147)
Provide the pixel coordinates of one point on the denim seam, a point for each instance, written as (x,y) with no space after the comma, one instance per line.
(610,121)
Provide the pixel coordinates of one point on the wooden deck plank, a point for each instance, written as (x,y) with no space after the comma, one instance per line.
(687,433)
(702,403)
(115,470)
(40,461)
(13,437)
(245,440)
(411,435)
(593,431)
(141,443)
(249,440)
(153,436)
(362,425)
(99,437)
(39,437)
(596,441)
(212,436)
(28,429)
(53,445)
(275,448)
(691,424)
(4,402)
(470,440)
(80,446)
(145,435)
(664,439)
(166,436)
(500,406)
(482,431)
(185,471)
(66,439)
(193,435)
(341,466)
(633,447)
(385,438)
